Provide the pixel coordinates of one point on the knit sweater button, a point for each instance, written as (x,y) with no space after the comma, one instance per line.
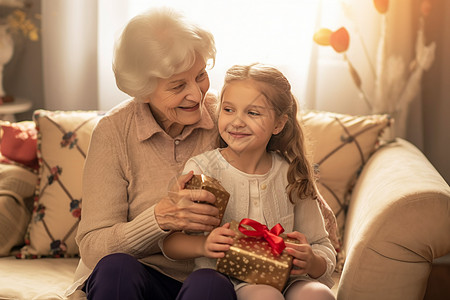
(177,142)
(263,186)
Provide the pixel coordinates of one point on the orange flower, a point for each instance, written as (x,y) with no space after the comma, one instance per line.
(340,40)
(425,8)
(381,5)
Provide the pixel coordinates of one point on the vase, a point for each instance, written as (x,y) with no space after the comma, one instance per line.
(6,52)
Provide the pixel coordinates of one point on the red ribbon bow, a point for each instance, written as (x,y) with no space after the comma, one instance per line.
(272,236)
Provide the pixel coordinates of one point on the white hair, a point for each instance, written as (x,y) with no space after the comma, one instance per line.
(158,44)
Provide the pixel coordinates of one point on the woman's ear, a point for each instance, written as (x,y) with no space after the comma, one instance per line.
(280,124)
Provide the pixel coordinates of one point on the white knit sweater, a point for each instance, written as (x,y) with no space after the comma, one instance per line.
(304,217)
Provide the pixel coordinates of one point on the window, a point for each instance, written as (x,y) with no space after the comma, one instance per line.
(269,31)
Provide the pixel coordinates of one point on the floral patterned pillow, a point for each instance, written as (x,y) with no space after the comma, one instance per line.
(63,140)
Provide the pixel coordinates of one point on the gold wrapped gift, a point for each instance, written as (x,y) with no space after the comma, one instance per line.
(252,259)
(203,182)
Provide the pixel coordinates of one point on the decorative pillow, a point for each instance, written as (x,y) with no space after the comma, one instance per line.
(63,140)
(340,146)
(19,142)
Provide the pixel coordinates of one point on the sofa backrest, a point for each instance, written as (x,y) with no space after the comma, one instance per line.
(339,145)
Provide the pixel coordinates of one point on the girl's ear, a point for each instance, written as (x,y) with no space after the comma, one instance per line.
(280,124)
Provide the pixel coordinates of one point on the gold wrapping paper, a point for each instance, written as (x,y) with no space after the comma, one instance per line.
(250,259)
(203,182)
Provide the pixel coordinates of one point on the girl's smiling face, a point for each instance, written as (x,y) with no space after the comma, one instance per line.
(177,100)
(246,119)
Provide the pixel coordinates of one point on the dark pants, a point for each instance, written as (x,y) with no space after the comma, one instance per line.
(207,284)
(120,276)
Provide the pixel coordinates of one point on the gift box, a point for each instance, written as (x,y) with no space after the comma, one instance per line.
(203,182)
(257,258)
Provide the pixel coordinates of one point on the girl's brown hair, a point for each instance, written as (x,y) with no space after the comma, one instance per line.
(290,142)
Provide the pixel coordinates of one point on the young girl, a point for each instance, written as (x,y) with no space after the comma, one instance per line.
(264,168)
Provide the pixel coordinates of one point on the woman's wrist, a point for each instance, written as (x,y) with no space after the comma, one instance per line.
(162,211)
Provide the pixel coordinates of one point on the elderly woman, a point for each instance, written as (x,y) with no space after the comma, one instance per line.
(131,195)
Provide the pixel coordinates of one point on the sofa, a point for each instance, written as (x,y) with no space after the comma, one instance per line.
(390,205)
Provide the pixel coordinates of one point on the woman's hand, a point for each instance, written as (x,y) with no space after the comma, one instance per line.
(218,241)
(187,209)
(305,260)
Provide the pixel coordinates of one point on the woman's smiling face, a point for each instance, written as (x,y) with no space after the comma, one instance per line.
(177,100)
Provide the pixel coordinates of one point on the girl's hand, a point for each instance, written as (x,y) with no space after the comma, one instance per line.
(305,260)
(218,241)
(187,210)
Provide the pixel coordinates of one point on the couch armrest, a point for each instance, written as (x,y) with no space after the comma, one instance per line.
(398,222)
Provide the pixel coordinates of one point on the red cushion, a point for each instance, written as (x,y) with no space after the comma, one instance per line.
(19,143)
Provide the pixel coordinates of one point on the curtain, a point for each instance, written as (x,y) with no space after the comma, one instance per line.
(69,54)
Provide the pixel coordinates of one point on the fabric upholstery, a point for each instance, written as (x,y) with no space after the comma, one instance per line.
(16,188)
(398,222)
(339,143)
(37,279)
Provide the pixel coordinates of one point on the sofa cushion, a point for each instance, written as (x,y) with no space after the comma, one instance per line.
(36,279)
(63,140)
(340,145)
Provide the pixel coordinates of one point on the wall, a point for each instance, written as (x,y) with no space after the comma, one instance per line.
(436,92)
(23,74)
